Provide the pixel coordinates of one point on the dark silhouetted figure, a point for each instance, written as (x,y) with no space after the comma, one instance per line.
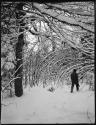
(74,79)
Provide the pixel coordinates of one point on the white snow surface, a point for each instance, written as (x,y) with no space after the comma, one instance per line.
(38,105)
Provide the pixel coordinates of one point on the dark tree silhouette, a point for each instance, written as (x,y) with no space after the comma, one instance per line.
(18,81)
(19,48)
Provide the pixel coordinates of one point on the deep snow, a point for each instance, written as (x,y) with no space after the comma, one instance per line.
(38,105)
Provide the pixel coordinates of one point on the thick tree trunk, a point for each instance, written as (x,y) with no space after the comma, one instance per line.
(19,48)
(18,81)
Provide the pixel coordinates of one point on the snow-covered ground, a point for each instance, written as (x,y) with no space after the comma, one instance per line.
(38,105)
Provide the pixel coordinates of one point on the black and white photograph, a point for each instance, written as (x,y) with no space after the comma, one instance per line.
(47,62)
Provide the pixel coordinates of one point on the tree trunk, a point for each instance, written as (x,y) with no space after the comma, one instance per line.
(18,81)
(19,50)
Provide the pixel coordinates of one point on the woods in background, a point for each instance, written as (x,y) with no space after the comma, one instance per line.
(64,36)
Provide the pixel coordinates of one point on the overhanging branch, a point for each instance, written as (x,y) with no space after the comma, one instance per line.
(62,18)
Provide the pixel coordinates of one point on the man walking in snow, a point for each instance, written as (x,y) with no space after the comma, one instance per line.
(74,79)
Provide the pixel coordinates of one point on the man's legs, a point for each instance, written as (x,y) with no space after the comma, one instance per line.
(77,87)
(72,86)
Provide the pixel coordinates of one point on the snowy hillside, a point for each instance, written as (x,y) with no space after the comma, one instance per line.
(38,105)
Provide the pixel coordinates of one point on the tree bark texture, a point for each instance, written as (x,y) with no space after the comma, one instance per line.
(18,81)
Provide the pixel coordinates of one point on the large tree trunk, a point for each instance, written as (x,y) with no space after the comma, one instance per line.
(18,81)
(19,48)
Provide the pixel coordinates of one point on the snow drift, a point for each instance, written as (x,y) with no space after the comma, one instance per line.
(38,105)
